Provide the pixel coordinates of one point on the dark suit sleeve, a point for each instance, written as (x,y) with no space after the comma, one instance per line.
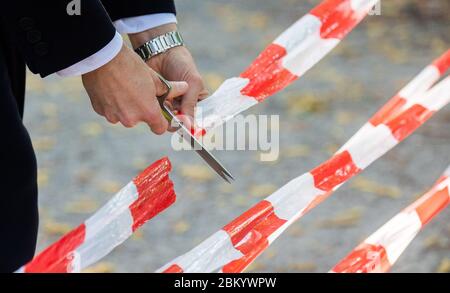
(118,9)
(51,40)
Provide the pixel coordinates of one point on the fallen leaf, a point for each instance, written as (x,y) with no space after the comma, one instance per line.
(137,235)
(109,186)
(344,118)
(50,125)
(345,219)
(84,176)
(91,129)
(44,144)
(295,151)
(258,20)
(226,188)
(444,266)
(82,206)
(43,177)
(269,254)
(35,83)
(213,80)
(181,227)
(302,267)
(50,110)
(256,267)
(262,190)
(307,103)
(435,242)
(102,267)
(363,184)
(197,172)
(331,149)
(241,201)
(54,228)
(140,163)
(295,231)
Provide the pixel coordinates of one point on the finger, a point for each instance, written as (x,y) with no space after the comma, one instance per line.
(154,118)
(179,88)
(190,99)
(112,118)
(203,95)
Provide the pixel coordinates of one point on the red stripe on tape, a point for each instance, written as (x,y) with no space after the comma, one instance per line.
(366,258)
(335,171)
(443,62)
(408,121)
(388,111)
(432,205)
(57,257)
(249,234)
(151,202)
(155,192)
(337,17)
(267,74)
(248,221)
(238,265)
(153,175)
(316,201)
(173,269)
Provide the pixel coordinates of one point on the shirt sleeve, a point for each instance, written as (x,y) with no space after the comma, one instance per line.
(137,24)
(129,25)
(96,60)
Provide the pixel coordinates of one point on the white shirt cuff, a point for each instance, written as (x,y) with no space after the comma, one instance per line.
(132,25)
(96,60)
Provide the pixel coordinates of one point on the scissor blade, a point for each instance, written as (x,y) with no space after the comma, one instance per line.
(199,148)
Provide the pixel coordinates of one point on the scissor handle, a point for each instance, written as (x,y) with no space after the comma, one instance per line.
(162,99)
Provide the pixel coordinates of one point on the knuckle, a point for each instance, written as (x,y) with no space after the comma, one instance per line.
(128,121)
(159,129)
(197,80)
(111,118)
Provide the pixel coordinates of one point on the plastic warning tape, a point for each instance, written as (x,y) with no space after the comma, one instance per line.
(379,252)
(144,197)
(235,247)
(292,54)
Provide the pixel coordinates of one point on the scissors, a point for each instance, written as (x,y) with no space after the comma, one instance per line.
(189,137)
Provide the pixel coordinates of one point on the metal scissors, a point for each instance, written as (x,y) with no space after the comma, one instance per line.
(189,137)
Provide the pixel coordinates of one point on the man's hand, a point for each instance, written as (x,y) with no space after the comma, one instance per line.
(175,64)
(125,90)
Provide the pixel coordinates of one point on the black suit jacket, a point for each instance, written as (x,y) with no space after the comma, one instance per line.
(49,40)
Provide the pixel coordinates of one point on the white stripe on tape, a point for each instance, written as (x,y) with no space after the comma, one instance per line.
(294,197)
(211,254)
(421,83)
(371,144)
(224,104)
(396,234)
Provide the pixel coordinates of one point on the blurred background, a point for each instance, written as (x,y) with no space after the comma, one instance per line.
(83,160)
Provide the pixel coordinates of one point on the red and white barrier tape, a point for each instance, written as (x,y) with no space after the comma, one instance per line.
(144,197)
(292,54)
(235,247)
(379,252)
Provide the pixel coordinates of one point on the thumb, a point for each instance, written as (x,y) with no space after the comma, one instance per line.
(179,88)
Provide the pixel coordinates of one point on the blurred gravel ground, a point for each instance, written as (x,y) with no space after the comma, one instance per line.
(83,161)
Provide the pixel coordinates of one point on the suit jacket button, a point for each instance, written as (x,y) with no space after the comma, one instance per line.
(41,49)
(34,36)
(26,23)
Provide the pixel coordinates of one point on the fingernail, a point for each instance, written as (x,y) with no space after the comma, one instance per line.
(182,85)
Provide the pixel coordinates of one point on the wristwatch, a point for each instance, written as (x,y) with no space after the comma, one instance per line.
(160,45)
